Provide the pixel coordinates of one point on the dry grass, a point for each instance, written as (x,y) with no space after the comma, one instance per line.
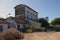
(11,34)
(42,36)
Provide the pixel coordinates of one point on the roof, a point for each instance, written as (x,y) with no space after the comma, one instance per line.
(26,6)
(18,20)
(3,22)
(10,17)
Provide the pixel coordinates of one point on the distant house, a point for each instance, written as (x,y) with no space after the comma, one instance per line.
(4,25)
(16,22)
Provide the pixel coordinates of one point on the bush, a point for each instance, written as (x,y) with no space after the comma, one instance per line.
(55,21)
(29,30)
(42,29)
(51,31)
(12,34)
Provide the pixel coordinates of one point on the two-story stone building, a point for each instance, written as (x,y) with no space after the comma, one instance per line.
(27,13)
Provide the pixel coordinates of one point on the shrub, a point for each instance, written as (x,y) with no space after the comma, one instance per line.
(42,29)
(12,34)
(29,30)
(51,31)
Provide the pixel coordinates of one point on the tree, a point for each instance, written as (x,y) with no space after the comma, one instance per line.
(1,18)
(44,22)
(55,21)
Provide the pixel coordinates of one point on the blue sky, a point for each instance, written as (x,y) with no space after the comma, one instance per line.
(50,8)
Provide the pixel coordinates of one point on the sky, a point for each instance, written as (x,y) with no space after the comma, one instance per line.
(45,8)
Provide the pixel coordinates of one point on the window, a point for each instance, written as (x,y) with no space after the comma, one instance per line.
(8,26)
(1,28)
(27,17)
(23,25)
(27,11)
(18,27)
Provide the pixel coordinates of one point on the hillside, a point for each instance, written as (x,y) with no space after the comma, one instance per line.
(42,36)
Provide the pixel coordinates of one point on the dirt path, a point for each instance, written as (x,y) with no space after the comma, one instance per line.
(42,36)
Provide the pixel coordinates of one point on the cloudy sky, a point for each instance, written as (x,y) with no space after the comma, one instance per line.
(50,8)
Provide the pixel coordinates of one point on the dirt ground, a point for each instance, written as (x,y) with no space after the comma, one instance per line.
(42,36)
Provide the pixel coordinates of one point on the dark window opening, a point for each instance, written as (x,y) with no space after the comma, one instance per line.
(27,11)
(18,27)
(1,28)
(8,26)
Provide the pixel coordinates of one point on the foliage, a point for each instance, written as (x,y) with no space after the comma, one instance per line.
(12,34)
(29,30)
(30,26)
(51,31)
(55,21)
(1,18)
(44,22)
(42,29)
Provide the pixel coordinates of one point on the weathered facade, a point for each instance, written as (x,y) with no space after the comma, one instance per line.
(27,13)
